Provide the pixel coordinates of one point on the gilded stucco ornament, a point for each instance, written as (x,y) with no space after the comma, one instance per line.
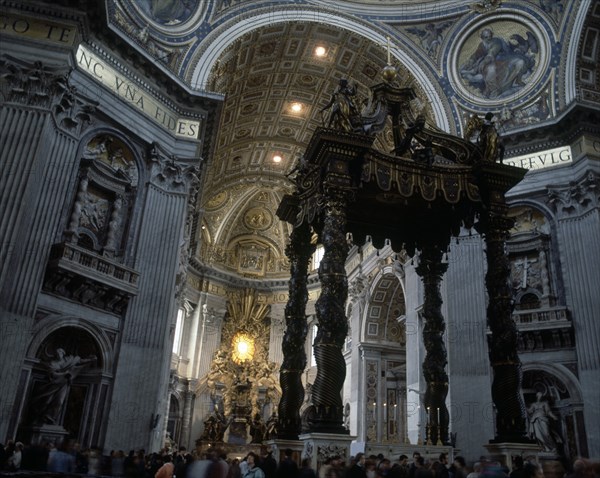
(241,374)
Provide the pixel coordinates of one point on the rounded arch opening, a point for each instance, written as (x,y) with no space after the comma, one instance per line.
(66,375)
(228,34)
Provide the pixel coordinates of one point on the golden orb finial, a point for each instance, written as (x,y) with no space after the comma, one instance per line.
(389,73)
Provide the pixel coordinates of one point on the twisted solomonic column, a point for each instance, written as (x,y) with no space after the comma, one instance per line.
(299,252)
(328,412)
(431,269)
(506,387)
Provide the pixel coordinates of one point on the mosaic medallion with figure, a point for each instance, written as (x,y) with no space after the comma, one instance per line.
(499,61)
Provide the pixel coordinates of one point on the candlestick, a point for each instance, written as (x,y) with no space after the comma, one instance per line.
(438,413)
(428,415)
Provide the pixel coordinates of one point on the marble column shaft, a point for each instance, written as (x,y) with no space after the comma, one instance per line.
(193,344)
(186,419)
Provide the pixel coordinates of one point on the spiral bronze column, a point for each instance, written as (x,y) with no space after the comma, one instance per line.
(431,269)
(506,387)
(328,416)
(299,252)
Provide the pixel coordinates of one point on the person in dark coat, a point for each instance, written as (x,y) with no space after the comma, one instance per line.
(306,471)
(287,468)
(269,465)
(357,470)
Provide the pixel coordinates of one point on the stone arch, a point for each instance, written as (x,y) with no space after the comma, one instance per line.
(380,291)
(68,366)
(122,140)
(562,373)
(54,323)
(383,341)
(175,415)
(560,388)
(228,34)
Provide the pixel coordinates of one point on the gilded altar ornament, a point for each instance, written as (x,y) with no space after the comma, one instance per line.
(343,114)
(243,348)
(241,374)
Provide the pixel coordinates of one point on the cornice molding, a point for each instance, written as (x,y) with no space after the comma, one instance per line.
(563,130)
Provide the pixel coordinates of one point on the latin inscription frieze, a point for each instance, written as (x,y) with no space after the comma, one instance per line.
(136,96)
(37,29)
(543,159)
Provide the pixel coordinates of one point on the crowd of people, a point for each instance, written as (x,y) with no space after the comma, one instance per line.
(69,458)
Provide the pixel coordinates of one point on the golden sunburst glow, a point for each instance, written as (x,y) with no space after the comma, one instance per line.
(243,348)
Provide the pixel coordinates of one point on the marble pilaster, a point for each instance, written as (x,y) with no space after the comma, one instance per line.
(147,333)
(577,209)
(471,418)
(39,137)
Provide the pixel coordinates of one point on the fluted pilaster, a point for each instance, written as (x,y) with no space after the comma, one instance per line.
(38,230)
(577,208)
(157,259)
(468,357)
(37,166)
(20,132)
(146,339)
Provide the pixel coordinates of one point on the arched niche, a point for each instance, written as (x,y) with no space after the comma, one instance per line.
(560,389)
(386,306)
(65,391)
(174,419)
(534,276)
(100,215)
(383,340)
